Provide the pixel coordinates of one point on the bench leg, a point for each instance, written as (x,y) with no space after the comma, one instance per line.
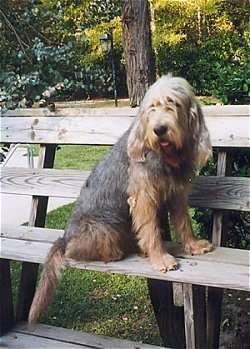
(37,218)
(170,318)
(195,316)
(26,290)
(29,271)
(214,303)
(6,301)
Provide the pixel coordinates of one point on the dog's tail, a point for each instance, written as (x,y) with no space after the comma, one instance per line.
(48,281)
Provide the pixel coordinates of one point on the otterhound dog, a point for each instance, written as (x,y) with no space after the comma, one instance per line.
(126,199)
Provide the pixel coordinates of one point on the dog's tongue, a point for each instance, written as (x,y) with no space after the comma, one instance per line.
(165,145)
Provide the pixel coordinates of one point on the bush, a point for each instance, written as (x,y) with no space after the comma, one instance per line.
(232,85)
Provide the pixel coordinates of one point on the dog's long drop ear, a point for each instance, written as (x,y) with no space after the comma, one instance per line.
(136,140)
(202,142)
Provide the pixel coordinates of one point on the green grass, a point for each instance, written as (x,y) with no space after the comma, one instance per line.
(105,304)
(82,157)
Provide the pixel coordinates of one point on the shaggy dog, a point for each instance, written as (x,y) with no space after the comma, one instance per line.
(123,206)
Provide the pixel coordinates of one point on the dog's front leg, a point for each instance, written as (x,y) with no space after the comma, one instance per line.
(143,210)
(181,221)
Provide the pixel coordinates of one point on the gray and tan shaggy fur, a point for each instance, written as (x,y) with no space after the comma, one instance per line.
(127,197)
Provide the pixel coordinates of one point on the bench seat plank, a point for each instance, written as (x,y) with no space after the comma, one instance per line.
(208,191)
(45,336)
(215,269)
(46,235)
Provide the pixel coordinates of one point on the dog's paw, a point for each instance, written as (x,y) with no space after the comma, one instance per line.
(196,247)
(164,262)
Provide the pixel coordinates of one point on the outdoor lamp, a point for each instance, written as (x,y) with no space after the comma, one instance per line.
(106,42)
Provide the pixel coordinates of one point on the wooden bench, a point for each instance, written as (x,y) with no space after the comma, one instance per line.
(223,268)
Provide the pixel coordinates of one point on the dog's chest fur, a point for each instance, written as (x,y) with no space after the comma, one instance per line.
(106,192)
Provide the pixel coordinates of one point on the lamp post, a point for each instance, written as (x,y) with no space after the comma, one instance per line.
(108,46)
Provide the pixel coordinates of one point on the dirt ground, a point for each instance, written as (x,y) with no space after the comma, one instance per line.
(235,328)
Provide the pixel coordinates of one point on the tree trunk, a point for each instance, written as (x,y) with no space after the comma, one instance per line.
(139,56)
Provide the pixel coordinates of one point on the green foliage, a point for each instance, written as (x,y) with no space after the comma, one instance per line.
(46,42)
(233,81)
(208,43)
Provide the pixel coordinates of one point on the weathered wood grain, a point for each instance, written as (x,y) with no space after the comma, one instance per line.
(64,130)
(208,110)
(64,112)
(216,272)
(44,336)
(46,235)
(189,316)
(215,295)
(229,127)
(37,218)
(42,182)
(230,193)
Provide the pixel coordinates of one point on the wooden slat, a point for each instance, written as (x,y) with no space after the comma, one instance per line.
(37,218)
(44,336)
(216,272)
(65,112)
(65,130)
(215,295)
(230,193)
(43,182)
(15,340)
(189,316)
(46,235)
(226,110)
(92,128)
(208,110)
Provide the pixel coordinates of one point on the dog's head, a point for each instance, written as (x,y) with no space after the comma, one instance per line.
(170,122)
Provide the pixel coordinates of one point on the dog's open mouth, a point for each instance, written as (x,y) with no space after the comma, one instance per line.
(170,153)
(167,147)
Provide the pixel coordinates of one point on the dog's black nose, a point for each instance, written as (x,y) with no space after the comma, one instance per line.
(160,130)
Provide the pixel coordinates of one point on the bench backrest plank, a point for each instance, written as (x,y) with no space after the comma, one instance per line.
(209,110)
(208,191)
(91,127)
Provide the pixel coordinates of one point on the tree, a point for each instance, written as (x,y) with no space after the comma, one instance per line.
(139,57)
